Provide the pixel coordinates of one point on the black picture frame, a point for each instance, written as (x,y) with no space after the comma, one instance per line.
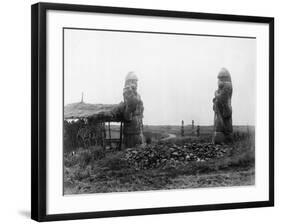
(38,108)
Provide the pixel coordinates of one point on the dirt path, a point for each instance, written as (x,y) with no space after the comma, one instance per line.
(169,137)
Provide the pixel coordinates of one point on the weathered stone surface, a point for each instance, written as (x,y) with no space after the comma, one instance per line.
(132,140)
(133,113)
(222,108)
(218,137)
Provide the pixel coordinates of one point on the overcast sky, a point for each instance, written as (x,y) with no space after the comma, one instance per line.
(177,73)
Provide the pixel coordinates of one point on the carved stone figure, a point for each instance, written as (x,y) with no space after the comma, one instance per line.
(130,112)
(222,108)
(133,113)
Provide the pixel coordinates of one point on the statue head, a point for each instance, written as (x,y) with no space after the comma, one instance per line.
(224,75)
(223,78)
(130,94)
(132,81)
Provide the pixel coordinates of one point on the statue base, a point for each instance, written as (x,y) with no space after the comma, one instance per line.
(133,140)
(220,137)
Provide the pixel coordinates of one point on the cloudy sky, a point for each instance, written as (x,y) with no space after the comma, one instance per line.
(177,73)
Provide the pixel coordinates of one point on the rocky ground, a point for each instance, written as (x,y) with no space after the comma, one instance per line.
(163,154)
(161,165)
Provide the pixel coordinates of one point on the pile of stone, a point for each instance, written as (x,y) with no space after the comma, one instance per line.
(161,154)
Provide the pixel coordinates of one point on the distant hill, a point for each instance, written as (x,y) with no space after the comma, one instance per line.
(83,110)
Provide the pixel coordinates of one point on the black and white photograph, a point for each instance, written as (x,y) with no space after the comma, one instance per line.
(148,111)
(140,111)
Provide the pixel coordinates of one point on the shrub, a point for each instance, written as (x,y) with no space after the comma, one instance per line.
(86,157)
(97,152)
(114,162)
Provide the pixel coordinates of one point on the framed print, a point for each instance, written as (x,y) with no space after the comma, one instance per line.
(140,111)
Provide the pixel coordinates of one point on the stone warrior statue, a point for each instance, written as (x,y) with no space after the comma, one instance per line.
(133,113)
(222,108)
(130,111)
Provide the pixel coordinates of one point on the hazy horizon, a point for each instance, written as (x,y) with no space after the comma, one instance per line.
(177,73)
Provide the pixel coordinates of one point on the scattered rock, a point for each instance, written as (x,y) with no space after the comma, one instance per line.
(160,154)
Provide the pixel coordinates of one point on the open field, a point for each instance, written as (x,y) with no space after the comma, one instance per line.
(175,163)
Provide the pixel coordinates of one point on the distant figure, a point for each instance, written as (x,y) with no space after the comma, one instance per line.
(182,128)
(222,108)
(192,127)
(198,131)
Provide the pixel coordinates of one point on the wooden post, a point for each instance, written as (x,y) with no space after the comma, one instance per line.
(109,132)
(182,128)
(103,135)
(121,135)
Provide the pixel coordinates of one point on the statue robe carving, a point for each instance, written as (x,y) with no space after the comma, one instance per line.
(222,108)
